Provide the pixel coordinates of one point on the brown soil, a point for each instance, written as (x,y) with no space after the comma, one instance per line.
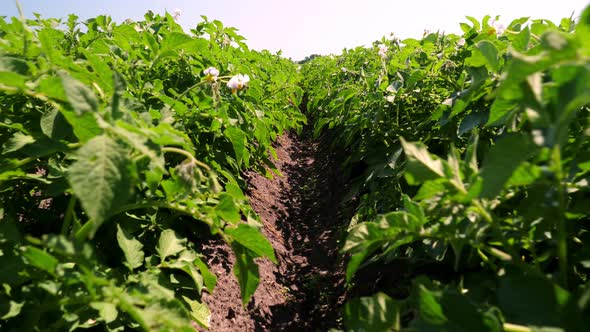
(301,217)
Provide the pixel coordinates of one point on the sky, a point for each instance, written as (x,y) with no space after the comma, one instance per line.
(304,27)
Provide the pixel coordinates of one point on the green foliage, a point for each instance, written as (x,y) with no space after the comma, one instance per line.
(485,199)
(376,313)
(112,133)
(99,177)
(472,150)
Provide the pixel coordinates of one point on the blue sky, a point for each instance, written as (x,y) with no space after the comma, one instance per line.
(304,27)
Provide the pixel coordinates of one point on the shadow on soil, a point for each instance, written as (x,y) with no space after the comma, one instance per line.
(311,226)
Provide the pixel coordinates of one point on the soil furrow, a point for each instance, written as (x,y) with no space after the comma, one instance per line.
(301,217)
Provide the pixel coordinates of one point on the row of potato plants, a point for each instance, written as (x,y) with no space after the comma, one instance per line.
(469,164)
(123,148)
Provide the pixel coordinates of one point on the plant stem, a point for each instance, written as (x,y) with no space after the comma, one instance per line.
(486,260)
(24,22)
(498,253)
(84,231)
(170,206)
(561,228)
(188,155)
(129,308)
(69,215)
(512,253)
(190,88)
(516,328)
(156,204)
(23,162)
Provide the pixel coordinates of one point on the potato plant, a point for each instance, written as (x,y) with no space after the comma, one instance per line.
(469,163)
(123,147)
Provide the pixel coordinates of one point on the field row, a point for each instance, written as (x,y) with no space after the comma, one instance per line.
(124,148)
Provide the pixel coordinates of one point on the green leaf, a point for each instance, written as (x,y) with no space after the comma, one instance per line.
(485,54)
(400,220)
(365,238)
(430,189)
(199,312)
(448,311)
(376,313)
(500,110)
(159,287)
(362,236)
(100,178)
(186,264)
(40,259)
(80,97)
(85,126)
(524,175)
(119,86)
(490,53)
(60,244)
(252,239)
(108,311)
(354,264)
(246,271)
(235,191)
(54,125)
(429,308)
(475,22)
(470,159)
(139,142)
(14,309)
(12,79)
(502,160)
(520,42)
(11,259)
(531,300)
(210,279)
(472,120)
(170,244)
(583,30)
(47,37)
(164,315)
(464,316)
(574,93)
(414,209)
(227,209)
(53,88)
(238,140)
(16,142)
(13,71)
(421,165)
(15,65)
(174,41)
(521,66)
(131,248)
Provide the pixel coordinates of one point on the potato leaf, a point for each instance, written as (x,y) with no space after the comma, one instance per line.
(100,177)
(131,248)
(170,244)
(252,239)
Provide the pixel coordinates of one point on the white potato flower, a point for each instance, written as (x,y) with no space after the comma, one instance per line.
(211,73)
(176,12)
(498,27)
(383,49)
(238,82)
